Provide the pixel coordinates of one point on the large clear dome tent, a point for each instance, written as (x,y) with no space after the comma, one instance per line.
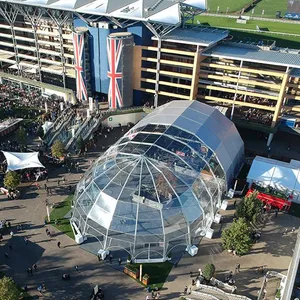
(160,185)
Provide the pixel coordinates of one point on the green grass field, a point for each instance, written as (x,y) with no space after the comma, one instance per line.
(158,273)
(58,214)
(233,5)
(270,7)
(267,26)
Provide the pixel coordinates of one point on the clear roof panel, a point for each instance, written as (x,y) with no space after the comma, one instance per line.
(161,178)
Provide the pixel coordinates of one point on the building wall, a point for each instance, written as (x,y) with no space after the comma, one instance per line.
(114,121)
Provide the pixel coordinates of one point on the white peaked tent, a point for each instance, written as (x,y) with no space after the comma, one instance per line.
(278,174)
(19,161)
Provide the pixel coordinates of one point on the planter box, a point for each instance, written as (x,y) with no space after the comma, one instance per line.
(131,273)
(145,281)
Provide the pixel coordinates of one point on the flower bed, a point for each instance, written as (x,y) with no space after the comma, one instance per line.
(131,271)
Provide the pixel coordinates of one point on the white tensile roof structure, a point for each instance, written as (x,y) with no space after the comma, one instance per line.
(20,161)
(275,173)
(157,11)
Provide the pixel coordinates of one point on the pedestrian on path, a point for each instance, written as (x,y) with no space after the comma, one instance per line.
(11,233)
(237,268)
(120,261)
(76,268)
(45,186)
(6,255)
(26,240)
(185,290)
(34,267)
(58,244)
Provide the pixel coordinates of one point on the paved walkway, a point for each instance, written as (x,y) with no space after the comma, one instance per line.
(274,251)
(52,261)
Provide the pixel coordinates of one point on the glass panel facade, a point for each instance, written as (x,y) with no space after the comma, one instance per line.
(157,187)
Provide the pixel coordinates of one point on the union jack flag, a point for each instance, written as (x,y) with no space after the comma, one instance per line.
(78,44)
(114,50)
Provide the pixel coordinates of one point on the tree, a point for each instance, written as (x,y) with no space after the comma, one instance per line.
(58,149)
(40,132)
(80,144)
(237,237)
(21,135)
(8,289)
(209,271)
(12,180)
(250,208)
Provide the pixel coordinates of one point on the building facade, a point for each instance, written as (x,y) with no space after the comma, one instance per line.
(67,48)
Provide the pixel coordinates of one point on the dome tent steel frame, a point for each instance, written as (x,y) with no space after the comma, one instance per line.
(159,186)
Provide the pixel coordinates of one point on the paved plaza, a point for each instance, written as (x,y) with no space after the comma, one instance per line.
(274,250)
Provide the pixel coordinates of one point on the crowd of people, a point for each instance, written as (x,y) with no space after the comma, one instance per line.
(245,113)
(22,72)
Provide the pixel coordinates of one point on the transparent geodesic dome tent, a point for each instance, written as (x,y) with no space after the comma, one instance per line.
(160,185)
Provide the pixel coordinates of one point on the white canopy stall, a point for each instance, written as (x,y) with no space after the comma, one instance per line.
(19,160)
(280,175)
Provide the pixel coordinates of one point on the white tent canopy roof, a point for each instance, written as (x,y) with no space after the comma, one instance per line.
(19,160)
(275,173)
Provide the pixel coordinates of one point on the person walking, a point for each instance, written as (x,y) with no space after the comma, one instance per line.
(11,233)
(34,267)
(185,290)
(76,268)
(6,255)
(26,240)
(58,244)
(237,268)
(120,261)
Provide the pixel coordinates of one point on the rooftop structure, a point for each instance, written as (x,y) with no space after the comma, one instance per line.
(254,54)
(159,186)
(195,36)
(157,11)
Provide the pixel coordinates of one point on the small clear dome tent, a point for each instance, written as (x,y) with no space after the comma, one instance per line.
(159,186)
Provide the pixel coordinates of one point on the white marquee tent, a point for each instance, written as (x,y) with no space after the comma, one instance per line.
(19,161)
(280,175)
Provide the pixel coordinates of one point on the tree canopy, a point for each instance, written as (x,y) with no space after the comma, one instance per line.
(12,180)
(58,149)
(237,237)
(8,289)
(250,208)
(209,271)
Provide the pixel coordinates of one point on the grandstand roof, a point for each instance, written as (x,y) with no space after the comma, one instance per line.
(195,36)
(159,11)
(254,54)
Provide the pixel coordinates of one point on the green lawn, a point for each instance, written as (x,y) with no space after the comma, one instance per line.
(251,24)
(158,273)
(270,8)
(267,26)
(233,5)
(58,214)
